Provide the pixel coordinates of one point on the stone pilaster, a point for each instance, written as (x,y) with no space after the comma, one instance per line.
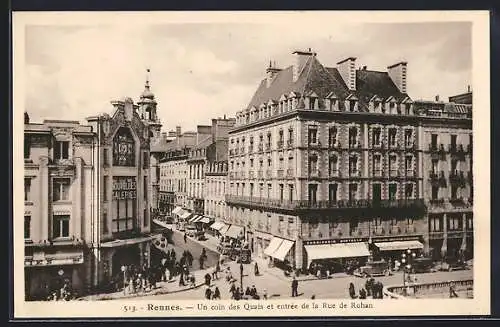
(444,248)
(76,218)
(45,199)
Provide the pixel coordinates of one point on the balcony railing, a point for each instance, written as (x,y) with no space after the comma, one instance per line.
(410,173)
(289,143)
(354,173)
(280,144)
(334,173)
(268,146)
(354,145)
(281,173)
(242,150)
(315,173)
(393,173)
(334,145)
(260,174)
(394,145)
(457,177)
(469,177)
(377,173)
(324,204)
(289,173)
(251,174)
(437,151)
(410,145)
(250,148)
(269,174)
(260,147)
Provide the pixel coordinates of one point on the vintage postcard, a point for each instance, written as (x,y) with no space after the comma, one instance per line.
(248,164)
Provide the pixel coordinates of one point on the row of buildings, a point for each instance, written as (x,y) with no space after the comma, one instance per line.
(320,162)
(326,158)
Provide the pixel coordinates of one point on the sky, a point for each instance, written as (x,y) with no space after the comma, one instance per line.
(201,71)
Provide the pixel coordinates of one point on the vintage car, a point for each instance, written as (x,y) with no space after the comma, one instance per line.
(422,265)
(373,269)
(225,248)
(241,254)
(451,264)
(191,231)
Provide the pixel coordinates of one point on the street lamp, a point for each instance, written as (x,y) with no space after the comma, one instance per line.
(407,261)
(124,270)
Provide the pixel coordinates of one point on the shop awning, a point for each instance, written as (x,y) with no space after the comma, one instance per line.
(399,245)
(234,231)
(176,210)
(131,241)
(273,246)
(194,218)
(56,259)
(217,225)
(185,215)
(336,251)
(223,230)
(282,250)
(204,220)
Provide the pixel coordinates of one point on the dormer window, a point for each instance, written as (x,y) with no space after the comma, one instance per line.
(351,103)
(407,108)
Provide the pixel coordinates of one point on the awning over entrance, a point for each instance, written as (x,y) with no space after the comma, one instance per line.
(273,246)
(131,241)
(336,251)
(185,215)
(204,220)
(234,231)
(56,259)
(282,250)
(217,225)
(176,210)
(223,230)
(194,218)
(399,245)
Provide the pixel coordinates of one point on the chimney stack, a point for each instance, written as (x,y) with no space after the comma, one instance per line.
(468,88)
(26,118)
(177,131)
(271,72)
(347,69)
(397,73)
(437,98)
(300,60)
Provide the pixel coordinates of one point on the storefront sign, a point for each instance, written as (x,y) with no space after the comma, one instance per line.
(361,239)
(124,188)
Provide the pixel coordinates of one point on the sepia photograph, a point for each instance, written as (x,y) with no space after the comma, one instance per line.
(196,163)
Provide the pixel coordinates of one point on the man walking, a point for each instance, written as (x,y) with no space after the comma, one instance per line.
(295,286)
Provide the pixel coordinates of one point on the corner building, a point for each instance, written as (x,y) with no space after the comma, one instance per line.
(326,164)
(87,199)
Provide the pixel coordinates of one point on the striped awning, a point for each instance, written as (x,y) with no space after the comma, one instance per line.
(185,214)
(176,210)
(204,220)
(194,218)
(399,245)
(217,225)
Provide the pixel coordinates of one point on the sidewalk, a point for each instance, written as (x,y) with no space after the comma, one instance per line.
(169,287)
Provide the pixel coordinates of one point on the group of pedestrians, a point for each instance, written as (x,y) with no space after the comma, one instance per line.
(372,288)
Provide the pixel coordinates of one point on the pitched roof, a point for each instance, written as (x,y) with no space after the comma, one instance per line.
(204,142)
(314,77)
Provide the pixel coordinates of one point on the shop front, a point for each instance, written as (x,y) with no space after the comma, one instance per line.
(333,257)
(46,273)
(281,253)
(391,251)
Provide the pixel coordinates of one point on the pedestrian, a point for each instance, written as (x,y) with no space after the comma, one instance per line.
(453,293)
(214,274)
(232,288)
(216,295)
(256,269)
(295,286)
(185,238)
(264,294)
(368,286)
(208,293)
(253,291)
(208,279)
(241,269)
(380,290)
(313,297)
(237,294)
(362,294)
(202,259)
(352,291)
(248,291)
(181,279)
(168,275)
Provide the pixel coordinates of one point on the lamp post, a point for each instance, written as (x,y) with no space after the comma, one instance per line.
(407,261)
(124,270)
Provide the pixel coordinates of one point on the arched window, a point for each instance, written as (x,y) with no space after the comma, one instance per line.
(123,148)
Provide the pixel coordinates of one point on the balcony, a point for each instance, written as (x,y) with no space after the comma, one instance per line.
(232,175)
(437,179)
(251,174)
(269,174)
(334,173)
(260,148)
(316,144)
(334,145)
(457,178)
(410,173)
(236,151)
(243,175)
(377,173)
(268,147)
(281,173)
(290,173)
(242,150)
(410,146)
(393,173)
(260,174)
(354,173)
(289,144)
(280,144)
(314,173)
(459,202)
(231,152)
(469,149)
(354,145)
(469,177)
(250,149)
(393,145)
(437,203)
(325,204)
(437,152)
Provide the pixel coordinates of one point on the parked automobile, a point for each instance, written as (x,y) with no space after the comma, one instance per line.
(422,265)
(373,269)
(224,248)
(242,254)
(451,264)
(191,231)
